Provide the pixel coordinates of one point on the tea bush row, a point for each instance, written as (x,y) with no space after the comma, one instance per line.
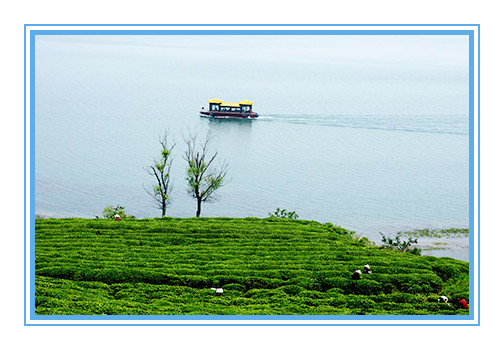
(139,298)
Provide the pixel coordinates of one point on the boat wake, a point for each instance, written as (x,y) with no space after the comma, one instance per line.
(440,124)
(265,117)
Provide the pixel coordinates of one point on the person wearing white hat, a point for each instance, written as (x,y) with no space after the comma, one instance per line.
(218,291)
(357,275)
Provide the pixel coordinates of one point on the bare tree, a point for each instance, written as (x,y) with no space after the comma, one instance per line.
(161,171)
(203,179)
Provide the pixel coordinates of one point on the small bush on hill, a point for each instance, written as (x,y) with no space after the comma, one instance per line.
(284,214)
(109,212)
(400,245)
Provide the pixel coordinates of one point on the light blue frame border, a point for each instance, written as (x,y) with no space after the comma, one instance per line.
(469,33)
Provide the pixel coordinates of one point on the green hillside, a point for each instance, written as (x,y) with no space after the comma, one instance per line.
(265,267)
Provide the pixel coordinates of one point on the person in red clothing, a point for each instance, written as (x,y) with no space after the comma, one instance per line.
(462,303)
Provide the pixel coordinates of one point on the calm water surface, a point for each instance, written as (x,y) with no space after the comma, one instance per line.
(364,164)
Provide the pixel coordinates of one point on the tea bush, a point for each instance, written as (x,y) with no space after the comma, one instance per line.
(368,287)
(292,289)
(234,286)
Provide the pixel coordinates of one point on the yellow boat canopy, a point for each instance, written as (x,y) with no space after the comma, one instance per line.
(226,104)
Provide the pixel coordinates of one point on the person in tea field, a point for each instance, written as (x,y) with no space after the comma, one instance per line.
(443,299)
(462,303)
(366,269)
(117,217)
(357,275)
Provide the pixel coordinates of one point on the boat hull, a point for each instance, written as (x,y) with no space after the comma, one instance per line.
(247,115)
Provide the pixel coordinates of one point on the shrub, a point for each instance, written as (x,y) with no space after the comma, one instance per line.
(409,283)
(447,270)
(305,282)
(109,212)
(284,214)
(338,300)
(262,283)
(338,229)
(359,302)
(457,288)
(197,281)
(399,245)
(55,272)
(265,293)
(334,292)
(312,294)
(292,289)
(336,282)
(234,286)
(415,251)
(411,288)
(304,301)
(405,298)
(367,287)
(221,280)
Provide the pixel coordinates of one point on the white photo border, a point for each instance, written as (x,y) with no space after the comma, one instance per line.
(470,30)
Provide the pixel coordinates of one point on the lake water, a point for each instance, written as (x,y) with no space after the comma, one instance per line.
(374,143)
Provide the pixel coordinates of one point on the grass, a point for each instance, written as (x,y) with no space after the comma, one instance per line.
(265,266)
(438,233)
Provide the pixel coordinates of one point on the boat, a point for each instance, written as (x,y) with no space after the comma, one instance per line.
(219,109)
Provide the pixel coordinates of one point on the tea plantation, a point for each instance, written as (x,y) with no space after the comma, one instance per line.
(265,267)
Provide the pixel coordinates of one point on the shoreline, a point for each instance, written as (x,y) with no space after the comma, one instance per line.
(448,245)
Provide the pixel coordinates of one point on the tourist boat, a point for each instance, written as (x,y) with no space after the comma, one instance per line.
(219,109)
